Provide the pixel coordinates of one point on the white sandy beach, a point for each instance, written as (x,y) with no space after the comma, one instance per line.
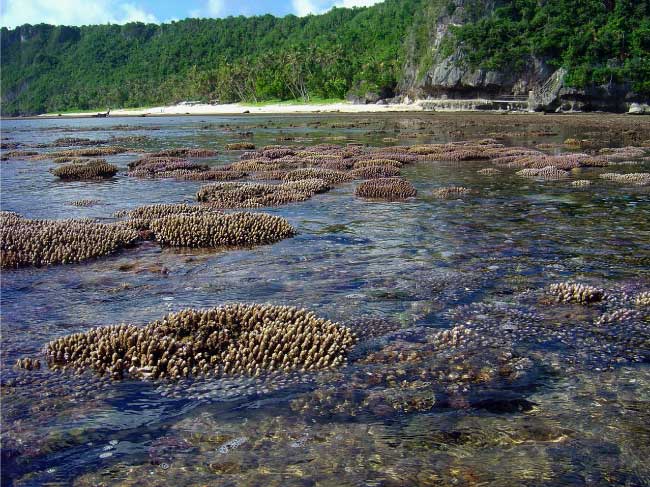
(238,108)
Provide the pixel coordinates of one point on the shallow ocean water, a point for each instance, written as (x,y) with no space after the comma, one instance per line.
(573,408)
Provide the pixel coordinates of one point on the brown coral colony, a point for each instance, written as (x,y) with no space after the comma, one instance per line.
(233,339)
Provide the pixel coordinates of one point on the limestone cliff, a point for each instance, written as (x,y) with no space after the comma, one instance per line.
(434,70)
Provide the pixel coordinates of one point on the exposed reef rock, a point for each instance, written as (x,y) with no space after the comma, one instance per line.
(233,339)
(45,242)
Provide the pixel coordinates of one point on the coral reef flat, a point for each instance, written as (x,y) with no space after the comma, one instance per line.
(403,299)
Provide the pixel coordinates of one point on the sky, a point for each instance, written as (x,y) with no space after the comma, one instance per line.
(84,12)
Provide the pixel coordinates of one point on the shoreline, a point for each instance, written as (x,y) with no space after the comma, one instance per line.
(233,109)
(243,109)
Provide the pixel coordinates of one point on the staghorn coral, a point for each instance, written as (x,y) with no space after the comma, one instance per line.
(46,242)
(617,316)
(150,160)
(488,171)
(581,183)
(72,141)
(277,151)
(211,175)
(90,170)
(164,168)
(309,186)
(269,175)
(140,218)
(255,195)
(548,172)
(250,165)
(87,152)
(571,292)
(18,154)
(213,230)
(28,363)
(451,192)
(240,146)
(84,203)
(232,339)
(75,160)
(643,299)
(637,179)
(622,153)
(329,175)
(377,162)
(389,189)
(374,172)
(336,164)
(185,152)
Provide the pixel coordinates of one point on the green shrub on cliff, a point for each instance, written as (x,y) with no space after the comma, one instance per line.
(598,41)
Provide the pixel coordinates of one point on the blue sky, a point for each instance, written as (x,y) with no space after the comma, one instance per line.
(81,12)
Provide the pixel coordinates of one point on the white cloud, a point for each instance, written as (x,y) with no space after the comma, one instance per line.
(357,3)
(305,7)
(210,8)
(215,7)
(71,12)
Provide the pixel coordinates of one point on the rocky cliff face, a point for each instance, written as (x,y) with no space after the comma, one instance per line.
(431,71)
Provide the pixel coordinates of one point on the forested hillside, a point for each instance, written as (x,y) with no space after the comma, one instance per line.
(48,68)
(344,51)
(598,41)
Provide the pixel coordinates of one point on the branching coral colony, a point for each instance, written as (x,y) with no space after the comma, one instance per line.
(45,242)
(27,242)
(233,339)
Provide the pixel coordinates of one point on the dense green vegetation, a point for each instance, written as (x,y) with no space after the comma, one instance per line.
(56,68)
(47,68)
(598,41)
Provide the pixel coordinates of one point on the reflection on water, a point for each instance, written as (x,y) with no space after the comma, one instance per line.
(538,394)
